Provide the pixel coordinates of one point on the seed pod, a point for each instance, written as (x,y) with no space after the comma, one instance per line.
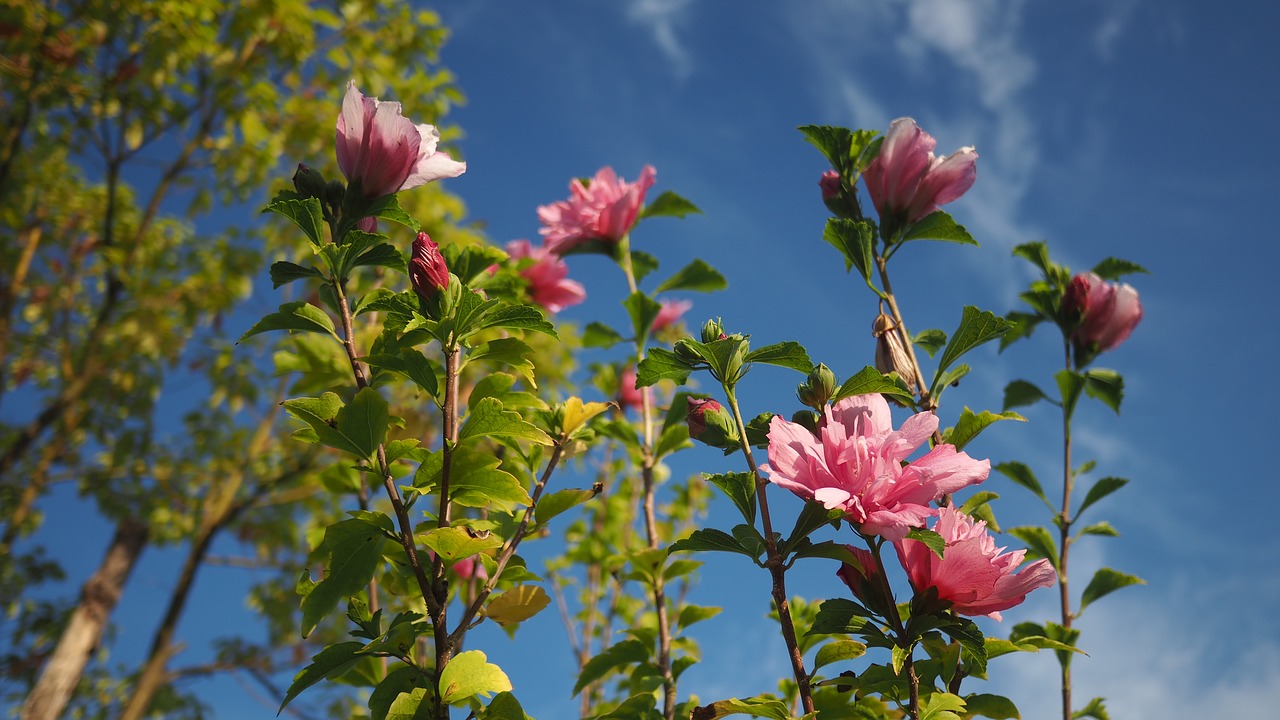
(891,354)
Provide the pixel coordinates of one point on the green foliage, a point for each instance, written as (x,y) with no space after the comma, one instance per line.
(763,707)
(697,276)
(353,550)
(740,488)
(1099,490)
(856,242)
(870,380)
(938,225)
(669,204)
(299,316)
(470,674)
(976,327)
(1020,392)
(1106,581)
(969,425)
(1039,542)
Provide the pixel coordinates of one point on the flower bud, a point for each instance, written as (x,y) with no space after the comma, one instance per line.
(866,581)
(891,354)
(818,388)
(841,203)
(712,330)
(807,419)
(308,182)
(334,192)
(686,353)
(427,270)
(710,423)
(1099,315)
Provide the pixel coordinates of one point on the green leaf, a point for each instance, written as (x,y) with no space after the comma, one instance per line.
(458,543)
(669,204)
(938,225)
(787,354)
(1105,582)
(364,421)
(1021,325)
(1037,253)
(1070,384)
(765,707)
(931,340)
(870,380)
(931,539)
(978,500)
(991,706)
(643,310)
(855,240)
(941,706)
(697,276)
(1099,490)
(661,364)
(475,479)
(690,614)
(470,674)
(1021,392)
(838,650)
(294,316)
(1095,708)
(973,645)
(840,617)
(557,502)
(1039,542)
(512,352)
(741,489)
(381,255)
(329,662)
(976,327)
(947,379)
(1115,268)
(812,516)
(488,419)
(624,653)
(1022,475)
(710,539)
(412,364)
(405,680)
(516,317)
(599,335)
(1102,528)
(388,208)
(306,213)
(1105,385)
(642,264)
(969,425)
(354,550)
(750,540)
(283,273)
(504,707)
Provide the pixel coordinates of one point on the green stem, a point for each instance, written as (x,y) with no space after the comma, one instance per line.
(1064,540)
(774,562)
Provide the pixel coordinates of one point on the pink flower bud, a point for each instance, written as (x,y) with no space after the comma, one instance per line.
(907,182)
(696,417)
(830,184)
(383,151)
(1107,313)
(427,270)
(866,580)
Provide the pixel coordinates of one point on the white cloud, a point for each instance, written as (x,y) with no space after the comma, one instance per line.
(1117,15)
(662,17)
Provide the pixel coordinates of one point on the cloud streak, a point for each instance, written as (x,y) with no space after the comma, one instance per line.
(661,18)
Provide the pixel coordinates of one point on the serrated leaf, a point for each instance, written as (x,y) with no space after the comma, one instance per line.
(839,616)
(669,204)
(516,317)
(412,364)
(1105,582)
(505,706)
(517,604)
(661,364)
(931,340)
(941,706)
(870,380)
(1105,385)
(557,502)
(457,543)
(837,651)
(931,540)
(949,378)
(1099,490)
(619,655)
(642,264)
(283,273)
(338,426)
(299,316)
(354,550)
(1037,253)
(403,680)
(973,647)
(1070,385)
(697,276)
(1021,325)
(969,425)
(1114,268)
(1102,528)
(364,421)
(642,310)
(672,439)
(765,707)
(1020,392)
(741,489)
(787,354)
(381,255)
(599,335)
(333,660)
(690,614)
(709,539)
(1095,708)
(855,241)
(470,674)
(488,419)
(1022,475)
(991,706)
(978,500)
(1039,542)
(512,352)
(976,327)
(939,225)
(306,213)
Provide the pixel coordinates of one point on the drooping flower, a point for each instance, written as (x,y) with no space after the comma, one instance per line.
(973,574)
(547,274)
(427,270)
(856,465)
(907,182)
(1107,313)
(670,314)
(384,151)
(604,209)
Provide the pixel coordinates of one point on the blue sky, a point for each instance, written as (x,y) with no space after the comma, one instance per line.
(1122,127)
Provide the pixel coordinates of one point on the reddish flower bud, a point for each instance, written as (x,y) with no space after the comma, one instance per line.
(866,581)
(427,269)
(1102,313)
(711,424)
(830,184)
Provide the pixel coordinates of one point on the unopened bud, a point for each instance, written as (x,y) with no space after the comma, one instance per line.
(841,203)
(712,330)
(686,353)
(807,419)
(334,192)
(818,388)
(308,182)
(891,354)
(710,423)
(427,270)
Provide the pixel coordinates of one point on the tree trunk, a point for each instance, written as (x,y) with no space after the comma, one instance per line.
(98,598)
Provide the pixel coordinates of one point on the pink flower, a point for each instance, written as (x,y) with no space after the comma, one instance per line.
(972,573)
(605,209)
(546,275)
(830,185)
(907,180)
(1108,312)
(670,314)
(629,396)
(385,152)
(857,465)
(470,567)
(427,270)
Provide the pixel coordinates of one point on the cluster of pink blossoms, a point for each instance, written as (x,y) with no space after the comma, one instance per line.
(857,465)
(603,209)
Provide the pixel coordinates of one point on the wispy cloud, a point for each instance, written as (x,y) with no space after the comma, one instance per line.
(662,18)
